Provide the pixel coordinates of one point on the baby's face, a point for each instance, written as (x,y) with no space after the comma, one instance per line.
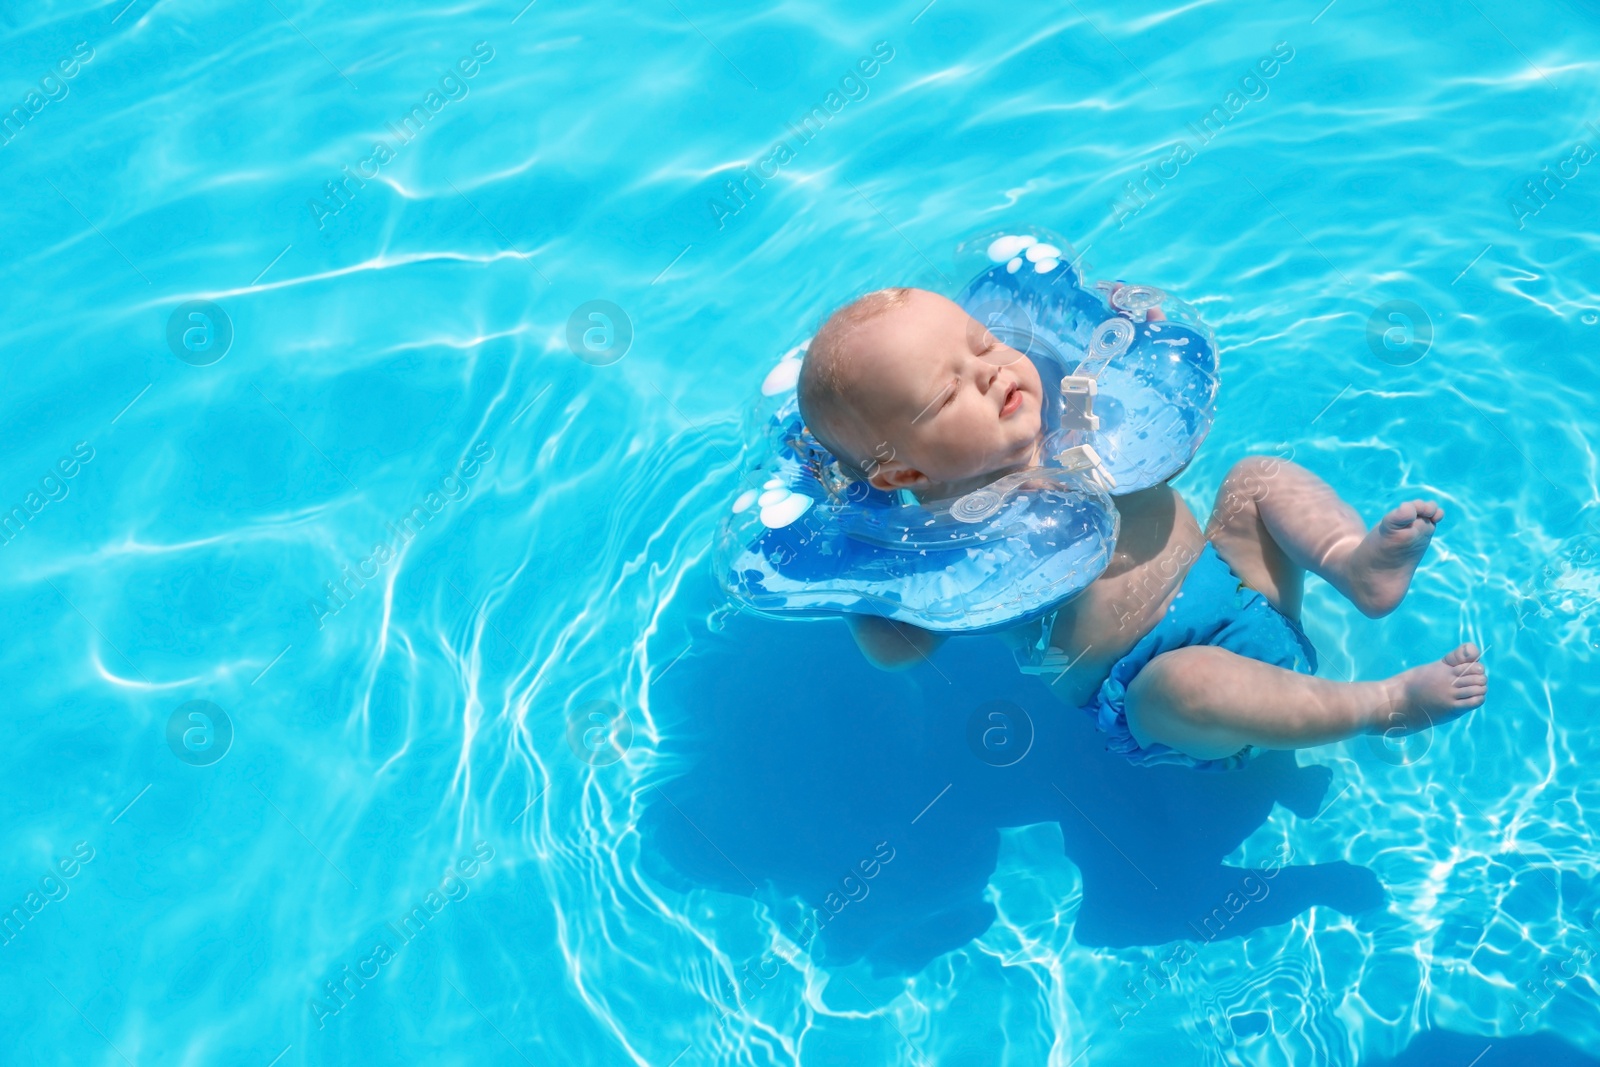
(941,400)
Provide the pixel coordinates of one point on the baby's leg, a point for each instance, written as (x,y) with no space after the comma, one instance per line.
(1210,703)
(1274,520)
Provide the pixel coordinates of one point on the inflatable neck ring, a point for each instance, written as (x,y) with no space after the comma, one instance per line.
(1136,398)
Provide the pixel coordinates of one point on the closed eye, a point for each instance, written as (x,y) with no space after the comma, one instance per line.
(939,402)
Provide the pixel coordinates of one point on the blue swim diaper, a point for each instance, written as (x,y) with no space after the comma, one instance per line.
(1213,607)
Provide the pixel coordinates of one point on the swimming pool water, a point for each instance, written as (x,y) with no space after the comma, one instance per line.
(374,382)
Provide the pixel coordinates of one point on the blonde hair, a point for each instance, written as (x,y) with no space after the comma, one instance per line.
(825,379)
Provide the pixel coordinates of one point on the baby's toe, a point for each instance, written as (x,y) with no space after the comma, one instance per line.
(1403,515)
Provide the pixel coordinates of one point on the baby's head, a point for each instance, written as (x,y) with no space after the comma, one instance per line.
(909,391)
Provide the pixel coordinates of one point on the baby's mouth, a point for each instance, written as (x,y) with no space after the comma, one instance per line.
(1013,400)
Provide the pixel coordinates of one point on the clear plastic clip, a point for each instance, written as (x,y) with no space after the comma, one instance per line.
(1084,459)
(1077,402)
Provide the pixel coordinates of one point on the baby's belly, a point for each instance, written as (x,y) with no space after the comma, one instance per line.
(1158,542)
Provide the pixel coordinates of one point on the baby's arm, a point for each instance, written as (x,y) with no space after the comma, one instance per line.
(889,645)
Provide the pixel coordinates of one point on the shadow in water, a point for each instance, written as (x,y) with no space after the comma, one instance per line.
(1438,1048)
(790,760)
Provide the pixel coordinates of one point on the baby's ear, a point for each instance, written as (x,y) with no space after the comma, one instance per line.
(896,475)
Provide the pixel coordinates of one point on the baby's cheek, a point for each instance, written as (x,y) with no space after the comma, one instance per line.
(954,454)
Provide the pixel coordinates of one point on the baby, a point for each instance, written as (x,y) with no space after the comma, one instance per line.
(1188,647)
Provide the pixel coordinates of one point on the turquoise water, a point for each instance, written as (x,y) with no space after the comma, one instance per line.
(525,747)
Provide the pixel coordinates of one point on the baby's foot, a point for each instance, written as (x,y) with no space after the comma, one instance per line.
(1435,692)
(1379,569)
